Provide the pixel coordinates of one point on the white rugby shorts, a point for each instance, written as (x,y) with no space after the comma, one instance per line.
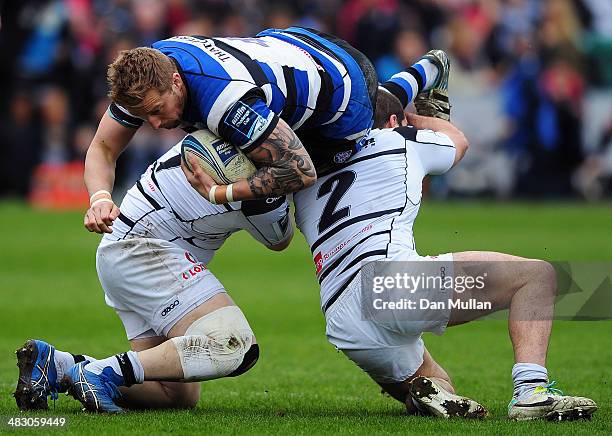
(390,351)
(152,283)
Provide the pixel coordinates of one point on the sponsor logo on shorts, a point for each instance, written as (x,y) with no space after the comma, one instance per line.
(169,309)
(191,272)
(343,156)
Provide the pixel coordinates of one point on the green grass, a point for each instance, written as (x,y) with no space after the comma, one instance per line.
(301,384)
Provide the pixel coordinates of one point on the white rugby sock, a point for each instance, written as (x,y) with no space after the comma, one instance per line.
(526,377)
(64,360)
(126,366)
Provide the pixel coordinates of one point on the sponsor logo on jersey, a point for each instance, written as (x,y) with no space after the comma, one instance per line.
(343,156)
(225,151)
(169,309)
(190,257)
(321,258)
(318,260)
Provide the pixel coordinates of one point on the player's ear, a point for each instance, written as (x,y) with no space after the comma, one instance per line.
(392,123)
(176,79)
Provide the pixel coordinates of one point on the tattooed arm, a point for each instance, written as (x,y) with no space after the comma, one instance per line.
(283,164)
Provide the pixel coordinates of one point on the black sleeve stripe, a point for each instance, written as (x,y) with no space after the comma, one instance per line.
(173,162)
(397,91)
(291,100)
(252,67)
(123,118)
(262,137)
(408,132)
(436,143)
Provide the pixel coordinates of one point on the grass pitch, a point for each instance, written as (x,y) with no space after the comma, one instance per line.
(301,385)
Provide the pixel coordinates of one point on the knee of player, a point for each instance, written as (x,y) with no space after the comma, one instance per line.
(547,275)
(220,344)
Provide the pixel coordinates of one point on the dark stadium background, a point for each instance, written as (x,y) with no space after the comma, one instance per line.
(531,81)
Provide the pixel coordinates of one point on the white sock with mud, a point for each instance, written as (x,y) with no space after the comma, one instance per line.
(526,377)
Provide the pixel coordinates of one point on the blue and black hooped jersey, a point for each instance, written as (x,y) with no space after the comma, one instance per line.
(239,87)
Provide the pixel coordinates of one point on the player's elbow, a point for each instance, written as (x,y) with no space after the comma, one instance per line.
(309,179)
(461,145)
(306,168)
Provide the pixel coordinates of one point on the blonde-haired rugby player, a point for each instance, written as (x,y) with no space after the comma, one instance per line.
(364,212)
(182,325)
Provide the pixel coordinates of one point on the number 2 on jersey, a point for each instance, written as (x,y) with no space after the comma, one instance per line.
(337,185)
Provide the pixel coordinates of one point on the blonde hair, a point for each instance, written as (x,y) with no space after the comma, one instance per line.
(136,71)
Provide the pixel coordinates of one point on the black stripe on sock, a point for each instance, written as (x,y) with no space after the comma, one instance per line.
(126,368)
(530,382)
(78,358)
(415,73)
(397,91)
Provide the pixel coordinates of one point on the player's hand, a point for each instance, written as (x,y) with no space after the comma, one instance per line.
(199,180)
(100,216)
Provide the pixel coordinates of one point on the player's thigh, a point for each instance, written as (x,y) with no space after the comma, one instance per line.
(500,275)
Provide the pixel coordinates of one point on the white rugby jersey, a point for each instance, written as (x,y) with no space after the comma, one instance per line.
(163,205)
(364,211)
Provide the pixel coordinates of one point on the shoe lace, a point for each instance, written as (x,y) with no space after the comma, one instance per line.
(548,389)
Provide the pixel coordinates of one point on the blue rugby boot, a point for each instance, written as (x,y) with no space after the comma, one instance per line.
(96,392)
(37,375)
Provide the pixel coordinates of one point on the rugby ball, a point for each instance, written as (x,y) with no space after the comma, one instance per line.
(220,160)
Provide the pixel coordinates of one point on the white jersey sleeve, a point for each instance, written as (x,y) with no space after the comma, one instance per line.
(435,149)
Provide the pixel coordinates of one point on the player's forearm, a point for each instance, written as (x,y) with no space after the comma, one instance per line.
(99,169)
(284,166)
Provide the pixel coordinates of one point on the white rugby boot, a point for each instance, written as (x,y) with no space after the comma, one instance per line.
(547,402)
(437,401)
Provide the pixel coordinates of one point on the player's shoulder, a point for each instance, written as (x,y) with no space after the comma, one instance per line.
(424,136)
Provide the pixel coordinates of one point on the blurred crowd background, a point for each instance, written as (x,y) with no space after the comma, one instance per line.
(531,82)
